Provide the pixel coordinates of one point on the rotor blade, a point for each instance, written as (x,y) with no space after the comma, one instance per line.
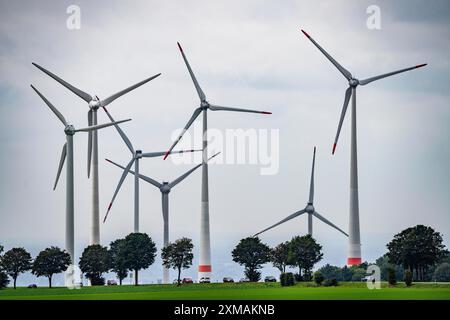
(191,120)
(159,154)
(201,95)
(348,94)
(318,216)
(121,133)
(344,71)
(61,164)
(220,108)
(83,95)
(292,216)
(369,80)
(113,97)
(184,176)
(89,159)
(145,178)
(311,187)
(122,178)
(55,111)
(100,126)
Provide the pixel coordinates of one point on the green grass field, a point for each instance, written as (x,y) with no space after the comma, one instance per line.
(235,291)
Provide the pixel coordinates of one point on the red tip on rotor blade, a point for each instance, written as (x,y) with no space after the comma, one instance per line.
(304,32)
(108,160)
(266,112)
(334,148)
(166,155)
(179,46)
(421,65)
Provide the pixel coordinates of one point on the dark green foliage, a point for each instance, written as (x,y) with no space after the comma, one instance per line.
(330,283)
(330,272)
(287,279)
(140,253)
(357,273)
(252,254)
(51,261)
(408,278)
(384,264)
(117,258)
(417,249)
(392,279)
(318,278)
(279,256)
(298,277)
(442,272)
(3,279)
(178,255)
(15,262)
(95,261)
(304,253)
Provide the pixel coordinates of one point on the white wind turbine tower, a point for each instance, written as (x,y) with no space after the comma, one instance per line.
(67,151)
(204,268)
(354,253)
(136,155)
(309,209)
(94,104)
(165,187)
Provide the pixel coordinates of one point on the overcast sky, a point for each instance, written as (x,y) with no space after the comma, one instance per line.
(247,54)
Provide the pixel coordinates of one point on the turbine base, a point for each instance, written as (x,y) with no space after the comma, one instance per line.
(354,261)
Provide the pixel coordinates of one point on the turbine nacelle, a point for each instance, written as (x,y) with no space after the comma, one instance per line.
(138,154)
(69,130)
(309,208)
(204,104)
(353,82)
(165,188)
(94,104)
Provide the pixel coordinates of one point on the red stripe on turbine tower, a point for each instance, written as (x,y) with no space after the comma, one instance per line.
(353,261)
(204,268)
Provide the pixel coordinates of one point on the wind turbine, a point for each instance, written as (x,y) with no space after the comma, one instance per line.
(354,253)
(94,104)
(67,151)
(309,209)
(136,155)
(204,268)
(165,187)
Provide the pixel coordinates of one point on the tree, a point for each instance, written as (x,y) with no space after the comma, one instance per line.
(252,254)
(442,272)
(392,279)
(95,261)
(385,265)
(279,256)
(15,262)
(117,253)
(416,249)
(178,255)
(140,252)
(304,253)
(318,278)
(51,261)
(330,272)
(408,278)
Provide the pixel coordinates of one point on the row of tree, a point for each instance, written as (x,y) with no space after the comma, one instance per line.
(418,250)
(135,252)
(301,252)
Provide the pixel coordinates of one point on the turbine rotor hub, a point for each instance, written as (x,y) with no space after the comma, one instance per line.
(138,154)
(94,104)
(69,130)
(309,208)
(353,82)
(165,188)
(204,104)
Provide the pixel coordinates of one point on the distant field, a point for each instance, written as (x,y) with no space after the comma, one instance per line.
(234,291)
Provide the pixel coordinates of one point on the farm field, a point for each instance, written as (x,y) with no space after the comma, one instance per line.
(235,291)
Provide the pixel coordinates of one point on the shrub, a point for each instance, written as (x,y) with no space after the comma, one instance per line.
(3,280)
(318,277)
(408,278)
(298,277)
(287,279)
(97,281)
(392,279)
(442,272)
(330,283)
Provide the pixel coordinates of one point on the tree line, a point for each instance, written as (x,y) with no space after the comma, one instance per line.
(417,253)
(135,252)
